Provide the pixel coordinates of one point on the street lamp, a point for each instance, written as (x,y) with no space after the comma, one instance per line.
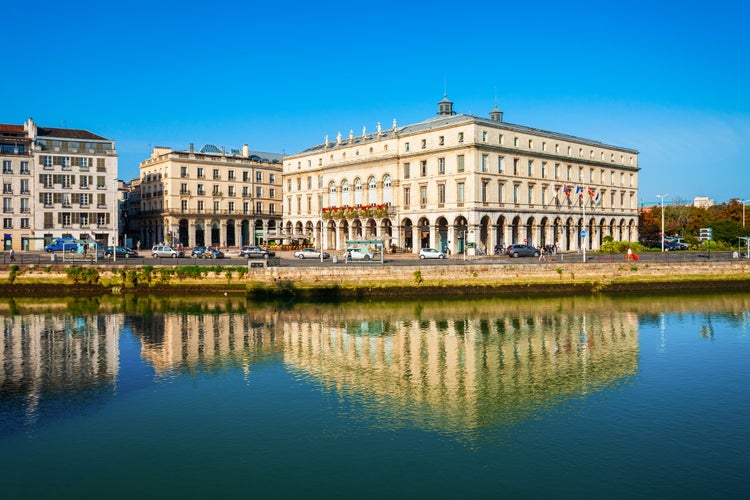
(662,196)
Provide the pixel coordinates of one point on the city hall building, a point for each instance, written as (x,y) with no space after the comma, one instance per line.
(461,183)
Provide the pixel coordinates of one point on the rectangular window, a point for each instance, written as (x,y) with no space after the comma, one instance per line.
(201,190)
(258,207)
(25,167)
(515,166)
(258,176)
(544,169)
(230,175)
(407,197)
(441,165)
(200,173)
(460,137)
(557,170)
(531,195)
(423,168)
(230,191)
(406,146)
(101,200)
(460,163)
(216,207)
(245,175)
(484,191)
(441,140)
(216,191)
(500,165)
(24,223)
(500,187)
(406,170)
(424,143)
(230,207)
(484,136)
(245,192)
(515,193)
(184,206)
(531,168)
(258,192)
(423,196)
(47,161)
(485,161)
(441,194)
(6,167)
(544,194)
(271,178)
(183,172)
(25,186)
(460,195)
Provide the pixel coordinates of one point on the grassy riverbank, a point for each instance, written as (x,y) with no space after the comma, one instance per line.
(341,282)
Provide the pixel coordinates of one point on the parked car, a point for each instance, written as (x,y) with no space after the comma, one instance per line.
(60,244)
(358,254)
(519,250)
(310,253)
(166,251)
(201,252)
(431,253)
(674,245)
(121,252)
(256,253)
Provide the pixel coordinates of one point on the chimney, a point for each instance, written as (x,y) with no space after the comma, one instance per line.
(191,148)
(245,151)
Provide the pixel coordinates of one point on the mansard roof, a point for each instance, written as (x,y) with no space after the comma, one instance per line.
(68,133)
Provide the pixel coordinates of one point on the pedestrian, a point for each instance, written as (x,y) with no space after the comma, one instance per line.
(630,254)
(543,254)
(12,255)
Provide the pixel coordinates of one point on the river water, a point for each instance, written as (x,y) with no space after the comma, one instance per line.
(219,397)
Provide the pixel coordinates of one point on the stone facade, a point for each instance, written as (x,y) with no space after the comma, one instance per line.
(461,183)
(209,197)
(58,182)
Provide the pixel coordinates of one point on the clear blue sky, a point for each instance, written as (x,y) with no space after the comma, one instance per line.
(669,79)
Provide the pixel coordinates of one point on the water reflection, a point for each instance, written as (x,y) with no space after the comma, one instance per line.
(450,366)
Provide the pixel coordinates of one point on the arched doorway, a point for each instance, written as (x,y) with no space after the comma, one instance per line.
(231,240)
(529,237)
(424,232)
(408,234)
(484,237)
(183,232)
(441,225)
(215,234)
(200,233)
(515,231)
(245,232)
(543,228)
(461,228)
(258,233)
(500,232)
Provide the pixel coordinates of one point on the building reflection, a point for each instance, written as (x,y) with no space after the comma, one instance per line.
(464,369)
(453,365)
(48,356)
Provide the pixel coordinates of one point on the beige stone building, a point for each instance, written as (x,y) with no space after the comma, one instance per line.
(462,183)
(57,182)
(18,182)
(209,197)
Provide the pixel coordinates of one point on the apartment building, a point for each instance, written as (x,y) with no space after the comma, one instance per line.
(461,183)
(57,182)
(17,159)
(209,197)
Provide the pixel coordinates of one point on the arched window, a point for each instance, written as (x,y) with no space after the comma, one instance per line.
(332,194)
(387,194)
(344,193)
(357,191)
(371,191)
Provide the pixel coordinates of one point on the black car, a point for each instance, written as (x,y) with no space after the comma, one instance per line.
(519,250)
(201,252)
(123,252)
(256,253)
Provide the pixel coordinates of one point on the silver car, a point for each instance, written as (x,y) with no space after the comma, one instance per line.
(166,251)
(357,254)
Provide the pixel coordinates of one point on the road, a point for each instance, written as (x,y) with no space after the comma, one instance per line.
(287,259)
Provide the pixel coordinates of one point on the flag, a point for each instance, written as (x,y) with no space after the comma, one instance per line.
(596,199)
(579,191)
(590,191)
(566,190)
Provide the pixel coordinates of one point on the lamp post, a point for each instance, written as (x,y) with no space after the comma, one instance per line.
(662,196)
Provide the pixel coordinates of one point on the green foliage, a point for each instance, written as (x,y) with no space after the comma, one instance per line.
(83,275)
(418,277)
(13,274)
(621,246)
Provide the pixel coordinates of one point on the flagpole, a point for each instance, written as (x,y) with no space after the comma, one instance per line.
(584,227)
